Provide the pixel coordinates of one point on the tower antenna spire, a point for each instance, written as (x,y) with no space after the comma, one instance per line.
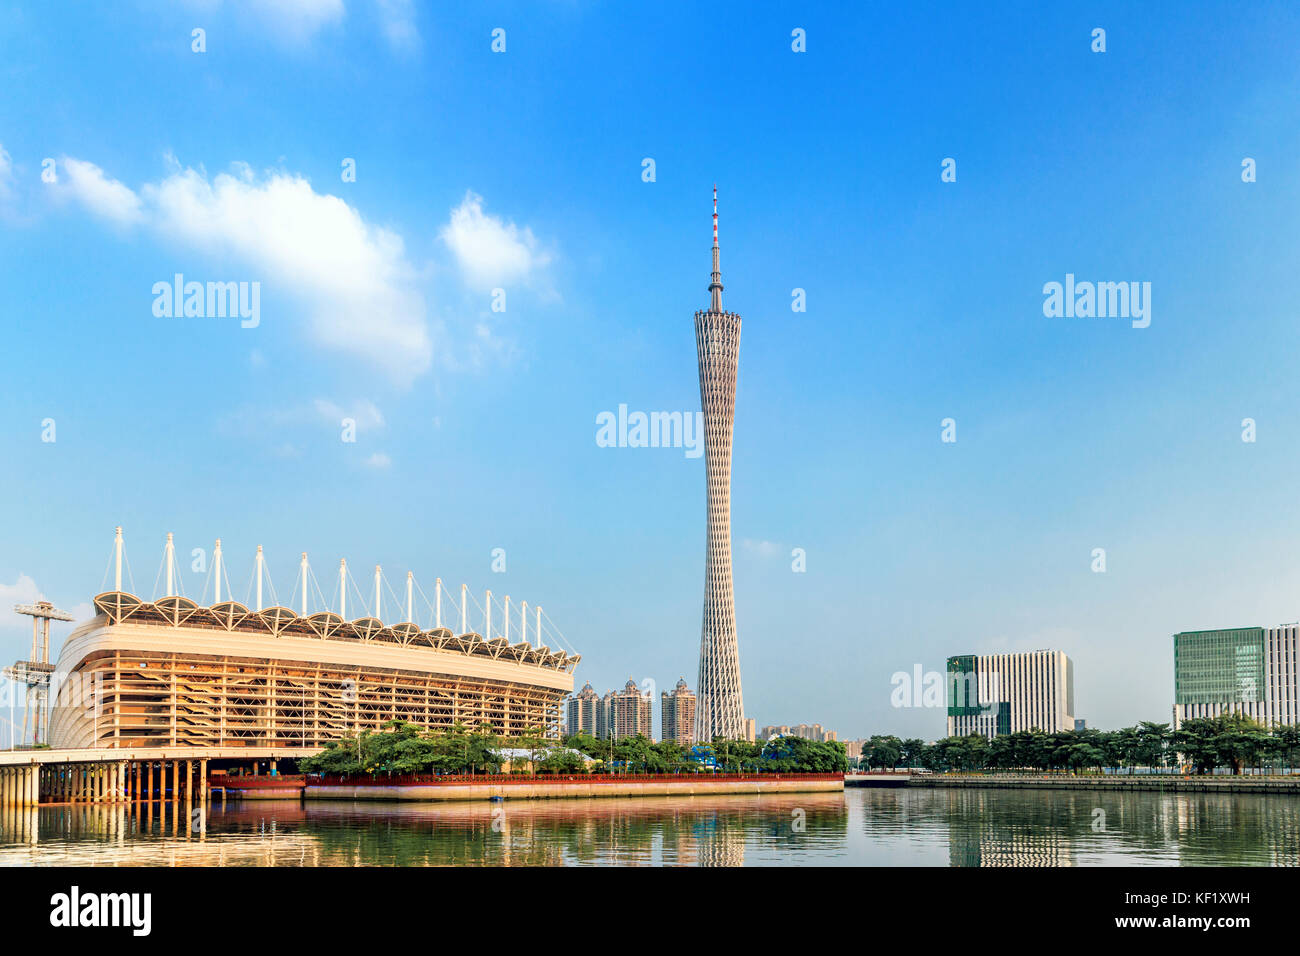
(715,287)
(715,214)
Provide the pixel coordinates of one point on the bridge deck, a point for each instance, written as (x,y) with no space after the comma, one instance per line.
(26,758)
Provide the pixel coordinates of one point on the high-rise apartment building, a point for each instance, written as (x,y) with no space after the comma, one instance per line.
(806,731)
(677,714)
(630,712)
(605,716)
(995,694)
(583,707)
(1246,670)
(720,711)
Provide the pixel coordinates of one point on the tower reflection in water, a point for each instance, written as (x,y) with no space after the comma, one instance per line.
(862,826)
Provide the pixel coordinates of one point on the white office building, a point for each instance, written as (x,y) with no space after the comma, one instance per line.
(996,694)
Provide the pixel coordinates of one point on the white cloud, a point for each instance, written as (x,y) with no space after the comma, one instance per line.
(359,292)
(298,21)
(397,21)
(308,15)
(378,461)
(22,591)
(6,174)
(82,612)
(86,183)
(274,423)
(293,20)
(490,251)
(353,278)
(25,591)
(364,412)
(764,549)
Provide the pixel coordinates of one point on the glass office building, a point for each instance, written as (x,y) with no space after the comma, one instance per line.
(1246,670)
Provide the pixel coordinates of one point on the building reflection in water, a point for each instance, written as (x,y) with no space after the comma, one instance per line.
(899,826)
(694,831)
(1038,835)
(1043,828)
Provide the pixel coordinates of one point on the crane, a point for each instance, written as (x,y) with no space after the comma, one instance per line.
(35,672)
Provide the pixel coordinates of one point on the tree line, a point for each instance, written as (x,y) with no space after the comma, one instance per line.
(781,755)
(1204,744)
(400,747)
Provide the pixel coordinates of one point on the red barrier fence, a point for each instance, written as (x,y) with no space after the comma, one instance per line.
(249,782)
(497,779)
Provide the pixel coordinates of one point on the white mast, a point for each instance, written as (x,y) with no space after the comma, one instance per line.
(523,621)
(169,555)
(377,576)
(538,636)
(117,557)
(464,620)
(487,618)
(216,566)
(259,577)
(303,565)
(410,596)
(506,632)
(437,599)
(343,588)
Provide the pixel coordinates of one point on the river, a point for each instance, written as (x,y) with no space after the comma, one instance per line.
(860,827)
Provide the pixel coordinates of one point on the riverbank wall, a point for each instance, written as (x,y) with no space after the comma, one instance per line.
(506,788)
(1157,782)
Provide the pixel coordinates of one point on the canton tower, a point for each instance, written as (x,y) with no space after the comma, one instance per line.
(719,709)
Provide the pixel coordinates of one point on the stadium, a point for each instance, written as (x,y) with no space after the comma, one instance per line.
(174,673)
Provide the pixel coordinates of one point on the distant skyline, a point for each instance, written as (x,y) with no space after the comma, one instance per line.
(457,251)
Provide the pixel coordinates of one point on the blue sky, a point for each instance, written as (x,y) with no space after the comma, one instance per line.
(522,171)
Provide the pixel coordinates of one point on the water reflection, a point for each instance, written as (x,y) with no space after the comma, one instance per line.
(1060,828)
(693,831)
(865,827)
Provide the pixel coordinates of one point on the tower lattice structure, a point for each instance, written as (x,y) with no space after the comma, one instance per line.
(720,710)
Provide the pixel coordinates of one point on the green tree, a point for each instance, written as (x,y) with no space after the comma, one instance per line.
(883,752)
(912,749)
(561,761)
(1152,743)
(1197,741)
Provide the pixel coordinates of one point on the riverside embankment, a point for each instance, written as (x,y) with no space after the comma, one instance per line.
(1289,784)
(505,787)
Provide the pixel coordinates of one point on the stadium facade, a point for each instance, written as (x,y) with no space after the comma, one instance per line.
(174,673)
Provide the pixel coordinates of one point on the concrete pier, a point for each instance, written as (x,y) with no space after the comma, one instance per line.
(20,785)
(35,777)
